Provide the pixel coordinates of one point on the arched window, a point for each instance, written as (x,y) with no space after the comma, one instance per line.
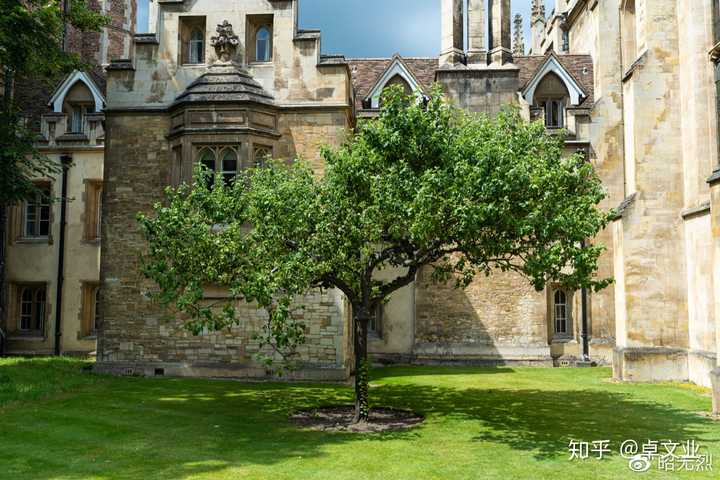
(262,155)
(229,166)
(561,313)
(196,47)
(224,160)
(552,96)
(207,159)
(262,45)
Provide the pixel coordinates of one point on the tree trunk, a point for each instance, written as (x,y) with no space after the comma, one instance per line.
(3,303)
(362,370)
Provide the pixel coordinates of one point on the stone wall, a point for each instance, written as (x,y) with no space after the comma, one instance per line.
(500,318)
(136,336)
(304,131)
(481,90)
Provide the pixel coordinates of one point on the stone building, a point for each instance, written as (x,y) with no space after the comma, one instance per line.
(655,138)
(228,83)
(225,83)
(53,266)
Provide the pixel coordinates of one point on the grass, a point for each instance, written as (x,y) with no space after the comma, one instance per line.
(59,422)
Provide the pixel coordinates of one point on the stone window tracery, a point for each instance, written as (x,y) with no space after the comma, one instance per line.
(220,159)
(261,155)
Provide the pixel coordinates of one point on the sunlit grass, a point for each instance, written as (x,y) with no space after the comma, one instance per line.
(59,422)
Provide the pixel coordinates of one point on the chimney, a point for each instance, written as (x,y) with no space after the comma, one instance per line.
(500,48)
(477,51)
(451,52)
(518,37)
(537,26)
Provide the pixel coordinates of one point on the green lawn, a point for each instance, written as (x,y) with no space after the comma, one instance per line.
(59,422)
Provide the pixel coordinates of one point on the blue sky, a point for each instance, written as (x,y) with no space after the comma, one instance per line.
(376,28)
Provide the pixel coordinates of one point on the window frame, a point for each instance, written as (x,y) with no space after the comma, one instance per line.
(218,153)
(188,26)
(259,161)
(567,306)
(36,235)
(34,289)
(192,46)
(559,105)
(375,325)
(92,231)
(89,310)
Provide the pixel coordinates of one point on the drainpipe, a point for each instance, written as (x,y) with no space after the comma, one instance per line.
(66,161)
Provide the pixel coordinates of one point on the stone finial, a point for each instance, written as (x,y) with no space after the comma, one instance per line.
(538,10)
(518,36)
(226,42)
(537,26)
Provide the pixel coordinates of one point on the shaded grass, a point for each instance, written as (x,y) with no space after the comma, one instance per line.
(480,423)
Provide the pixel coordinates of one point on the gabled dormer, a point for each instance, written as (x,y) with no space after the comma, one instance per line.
(397,73)
(76,111)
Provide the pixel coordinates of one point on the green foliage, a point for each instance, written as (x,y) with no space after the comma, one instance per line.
(424,185)
(31,49)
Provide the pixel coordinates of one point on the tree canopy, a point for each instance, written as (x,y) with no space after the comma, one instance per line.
(32,33)
(423,185)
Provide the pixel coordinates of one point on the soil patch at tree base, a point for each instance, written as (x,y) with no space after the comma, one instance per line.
(340,419)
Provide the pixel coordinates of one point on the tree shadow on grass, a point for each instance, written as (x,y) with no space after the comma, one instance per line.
(176,428)
(444,369)
(544,421)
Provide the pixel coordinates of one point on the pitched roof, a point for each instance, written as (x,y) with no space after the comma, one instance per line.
(579,66)
(367,71)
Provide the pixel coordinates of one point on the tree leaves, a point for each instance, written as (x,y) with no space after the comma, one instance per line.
(425,184)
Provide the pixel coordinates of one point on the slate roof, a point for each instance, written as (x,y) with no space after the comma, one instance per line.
(367,71)
(225,83)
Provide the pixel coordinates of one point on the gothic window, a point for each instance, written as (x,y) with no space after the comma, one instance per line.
(262,45)
(32,309)
(261,155)
(565,41)
(36,218)
(561,314)
(223,160)
(229,164)
(196,47)
(551,96)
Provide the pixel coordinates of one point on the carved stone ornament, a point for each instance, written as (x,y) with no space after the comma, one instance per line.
(226,42)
